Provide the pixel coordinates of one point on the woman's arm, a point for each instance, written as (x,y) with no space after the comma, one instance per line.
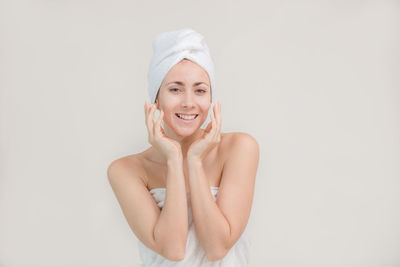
(165,231)
(172,226)
(220,224)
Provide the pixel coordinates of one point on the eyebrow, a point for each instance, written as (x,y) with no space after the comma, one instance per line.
(181,83)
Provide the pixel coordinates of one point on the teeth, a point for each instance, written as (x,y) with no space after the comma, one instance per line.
(185,117)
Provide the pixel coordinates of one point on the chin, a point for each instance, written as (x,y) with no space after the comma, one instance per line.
(185,132)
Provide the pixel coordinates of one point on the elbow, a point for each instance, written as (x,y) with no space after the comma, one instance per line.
(217,252)
(171,248)
(216,255)
(173,254)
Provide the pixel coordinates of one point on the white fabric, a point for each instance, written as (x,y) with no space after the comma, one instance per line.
(238,255)
(169,48)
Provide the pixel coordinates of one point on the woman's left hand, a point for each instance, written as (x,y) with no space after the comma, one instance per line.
(211,137)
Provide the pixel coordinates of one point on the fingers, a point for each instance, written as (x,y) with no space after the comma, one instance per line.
(219,121)
(214,125)
(146,113)
(211,132)
(216,122)
(218,117)
(158,124)
(208,128)
(151,117)
(149,111)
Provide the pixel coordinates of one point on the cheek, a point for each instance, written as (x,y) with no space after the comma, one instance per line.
(206,108)
(204,104)
(169,115)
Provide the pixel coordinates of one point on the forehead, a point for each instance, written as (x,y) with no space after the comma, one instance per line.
(187,71)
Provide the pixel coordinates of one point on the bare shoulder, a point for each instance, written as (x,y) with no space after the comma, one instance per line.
(238,140)
(127,166)
(137,204)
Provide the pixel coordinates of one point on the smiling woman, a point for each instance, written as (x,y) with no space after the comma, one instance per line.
(187,198)
(190,104)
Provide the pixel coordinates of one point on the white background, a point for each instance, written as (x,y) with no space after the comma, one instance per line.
(317,83)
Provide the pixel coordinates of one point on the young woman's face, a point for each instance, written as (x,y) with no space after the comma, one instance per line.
(185,90)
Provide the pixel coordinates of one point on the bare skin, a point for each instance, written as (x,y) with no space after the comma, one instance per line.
(154,171)
(174,98)
(183,157)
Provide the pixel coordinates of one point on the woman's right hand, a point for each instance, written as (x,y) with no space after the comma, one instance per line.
(170,148)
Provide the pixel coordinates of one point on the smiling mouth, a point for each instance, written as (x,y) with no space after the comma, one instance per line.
(186,118)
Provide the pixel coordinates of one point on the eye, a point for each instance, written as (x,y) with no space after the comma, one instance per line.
(173,89)
(203,91)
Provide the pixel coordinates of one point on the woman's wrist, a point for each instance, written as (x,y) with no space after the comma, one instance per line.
(175,160)
(194,160)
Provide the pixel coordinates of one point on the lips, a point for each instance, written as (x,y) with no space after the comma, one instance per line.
(186,114)
(187,120)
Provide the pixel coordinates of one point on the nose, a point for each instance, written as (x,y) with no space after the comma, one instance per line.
(188,99)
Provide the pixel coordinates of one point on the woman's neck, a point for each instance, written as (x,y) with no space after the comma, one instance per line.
(185,141)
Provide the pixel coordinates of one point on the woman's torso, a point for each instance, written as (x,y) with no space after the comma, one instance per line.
(154,175)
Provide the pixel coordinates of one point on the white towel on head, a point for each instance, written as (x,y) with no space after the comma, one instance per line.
(169,48)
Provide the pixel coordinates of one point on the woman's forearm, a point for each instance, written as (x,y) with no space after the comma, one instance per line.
(211,226)
(171,229)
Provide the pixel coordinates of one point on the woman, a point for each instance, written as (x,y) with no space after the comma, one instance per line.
(188,197)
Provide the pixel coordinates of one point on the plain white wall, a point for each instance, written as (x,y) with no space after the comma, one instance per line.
(315,82)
